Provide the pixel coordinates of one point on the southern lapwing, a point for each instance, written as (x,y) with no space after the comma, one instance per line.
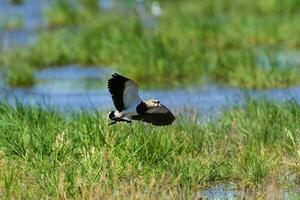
(129,106)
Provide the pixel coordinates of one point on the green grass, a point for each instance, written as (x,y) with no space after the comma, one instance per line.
(11,24)
(45,154)
(20,76)
(16,2)
(193,39)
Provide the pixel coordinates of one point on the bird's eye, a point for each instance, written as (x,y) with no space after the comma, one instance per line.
(156,102)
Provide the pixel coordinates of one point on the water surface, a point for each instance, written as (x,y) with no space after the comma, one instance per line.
(75,87)
(30,15)
(229,192)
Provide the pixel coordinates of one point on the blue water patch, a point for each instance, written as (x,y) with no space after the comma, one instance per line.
(75,87)
(30,11)
(106,4)
(70,79)
(229,192)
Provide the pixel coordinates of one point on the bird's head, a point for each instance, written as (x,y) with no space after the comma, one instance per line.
(152,103)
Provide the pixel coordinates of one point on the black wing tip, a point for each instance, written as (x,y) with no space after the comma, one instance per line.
(116,79)
(116,75)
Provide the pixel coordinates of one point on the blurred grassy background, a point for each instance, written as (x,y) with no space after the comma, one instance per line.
(232,42)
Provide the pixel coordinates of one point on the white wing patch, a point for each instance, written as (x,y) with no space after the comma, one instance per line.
(130,94)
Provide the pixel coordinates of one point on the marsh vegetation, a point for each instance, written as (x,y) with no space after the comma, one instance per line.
(45,154)
(190,40)
(251,146)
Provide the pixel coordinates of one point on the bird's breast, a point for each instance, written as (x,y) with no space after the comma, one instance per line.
(141,108)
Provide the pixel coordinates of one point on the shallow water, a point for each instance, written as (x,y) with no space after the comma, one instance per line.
(30,13)
(17,37)
(220,192)
(75,87)
(217,192)
(78,87)
(70,79)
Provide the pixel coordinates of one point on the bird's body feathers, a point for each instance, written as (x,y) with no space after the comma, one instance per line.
(129,106)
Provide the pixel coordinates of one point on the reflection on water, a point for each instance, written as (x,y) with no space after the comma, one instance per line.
(74,87)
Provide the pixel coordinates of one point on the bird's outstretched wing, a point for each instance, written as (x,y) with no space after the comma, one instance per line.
(158,116)
(124,91)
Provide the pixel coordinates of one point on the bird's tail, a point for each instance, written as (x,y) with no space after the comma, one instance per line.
(116,118)
(111,115)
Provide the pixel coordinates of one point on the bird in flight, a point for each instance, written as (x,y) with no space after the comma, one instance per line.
(129,106)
